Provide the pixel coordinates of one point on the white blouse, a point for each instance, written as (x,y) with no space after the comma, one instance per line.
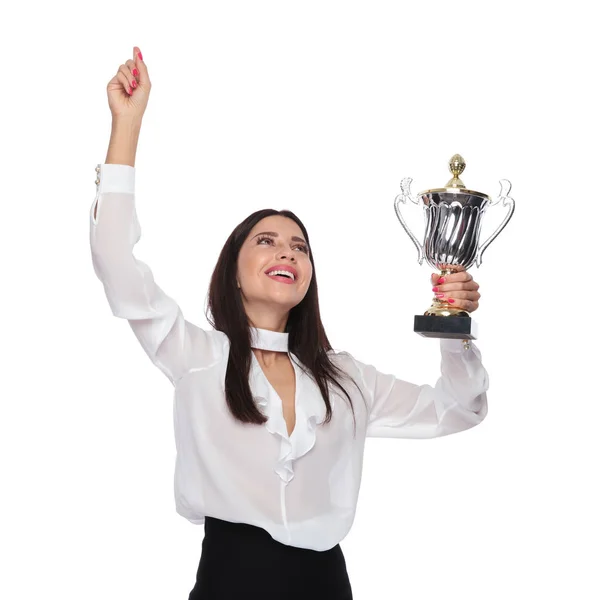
(302,488)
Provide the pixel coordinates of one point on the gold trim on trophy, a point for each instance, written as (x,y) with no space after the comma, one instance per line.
(456,165)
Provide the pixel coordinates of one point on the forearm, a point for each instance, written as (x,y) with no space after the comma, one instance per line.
(123,142)
(132,293)
(463,375)
(455,403)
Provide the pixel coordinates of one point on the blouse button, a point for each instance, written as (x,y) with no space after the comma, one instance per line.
(98,171)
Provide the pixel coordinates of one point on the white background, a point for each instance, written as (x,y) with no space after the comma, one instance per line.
(321,108)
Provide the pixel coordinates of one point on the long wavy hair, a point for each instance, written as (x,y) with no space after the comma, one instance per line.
(307,338)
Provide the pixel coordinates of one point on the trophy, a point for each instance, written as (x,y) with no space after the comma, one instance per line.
(453,217)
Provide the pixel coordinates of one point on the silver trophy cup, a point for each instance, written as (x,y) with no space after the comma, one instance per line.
(453,217)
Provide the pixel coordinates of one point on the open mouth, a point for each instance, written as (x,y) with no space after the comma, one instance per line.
(281,277)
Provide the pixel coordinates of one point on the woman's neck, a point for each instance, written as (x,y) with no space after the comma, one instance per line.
(269,358)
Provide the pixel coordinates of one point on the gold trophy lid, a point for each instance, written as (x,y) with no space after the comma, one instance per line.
(455,185)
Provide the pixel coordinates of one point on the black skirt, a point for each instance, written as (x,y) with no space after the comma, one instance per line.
(240,561)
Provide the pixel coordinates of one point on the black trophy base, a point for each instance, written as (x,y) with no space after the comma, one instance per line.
(456,328)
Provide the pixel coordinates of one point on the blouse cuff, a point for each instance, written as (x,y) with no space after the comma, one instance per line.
(451,345)
(115,178)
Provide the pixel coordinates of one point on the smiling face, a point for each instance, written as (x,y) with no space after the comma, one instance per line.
(273,241)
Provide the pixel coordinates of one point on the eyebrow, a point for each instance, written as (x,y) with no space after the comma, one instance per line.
(275,234)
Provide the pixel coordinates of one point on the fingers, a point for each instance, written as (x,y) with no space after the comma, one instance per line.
(459,289)
(451,287)
(468,305)
(124,81)
(456,281)
(458,276)
(143,78)
(456,291)
(459,295)
(468,301)
(130,76)
(461,275)
(126,77)
(135,73)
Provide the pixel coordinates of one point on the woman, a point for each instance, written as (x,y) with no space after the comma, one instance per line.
(270,422)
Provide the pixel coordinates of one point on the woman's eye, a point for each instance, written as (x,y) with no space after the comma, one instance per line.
(301,246)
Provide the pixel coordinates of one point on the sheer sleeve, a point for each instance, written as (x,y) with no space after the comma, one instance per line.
(457,401)
(171,342)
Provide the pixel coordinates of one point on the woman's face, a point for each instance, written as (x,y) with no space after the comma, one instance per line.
(274,241)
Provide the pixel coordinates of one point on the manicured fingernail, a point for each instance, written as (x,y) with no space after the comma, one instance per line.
(441,280)
(135,72)
(435,289)
(439,295)
(451,300)
(134,83)
(130,91)
(140,56)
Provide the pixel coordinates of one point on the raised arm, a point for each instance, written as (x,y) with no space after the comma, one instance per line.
(173,344)
(456,402)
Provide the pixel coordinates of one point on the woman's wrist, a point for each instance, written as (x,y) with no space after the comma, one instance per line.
(122,147)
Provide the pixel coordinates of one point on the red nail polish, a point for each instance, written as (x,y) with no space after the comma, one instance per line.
(135,72)
(441,280)
(435,289)
(451,300)
(140,56)
(130,91)
(439,295)
(134,83)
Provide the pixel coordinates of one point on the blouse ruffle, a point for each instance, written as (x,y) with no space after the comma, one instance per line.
(310,412)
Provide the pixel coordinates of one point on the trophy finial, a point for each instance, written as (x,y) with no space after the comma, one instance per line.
(456,165)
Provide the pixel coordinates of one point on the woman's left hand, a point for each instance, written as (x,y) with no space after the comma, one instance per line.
(459,289)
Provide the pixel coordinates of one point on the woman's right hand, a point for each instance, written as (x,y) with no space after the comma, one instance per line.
(131,76)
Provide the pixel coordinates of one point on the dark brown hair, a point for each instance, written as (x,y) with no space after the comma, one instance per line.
(307,338)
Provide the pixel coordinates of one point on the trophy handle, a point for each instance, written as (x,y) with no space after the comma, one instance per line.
(403,197)
(505,187)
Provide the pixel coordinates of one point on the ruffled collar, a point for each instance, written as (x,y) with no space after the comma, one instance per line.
(310,406)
